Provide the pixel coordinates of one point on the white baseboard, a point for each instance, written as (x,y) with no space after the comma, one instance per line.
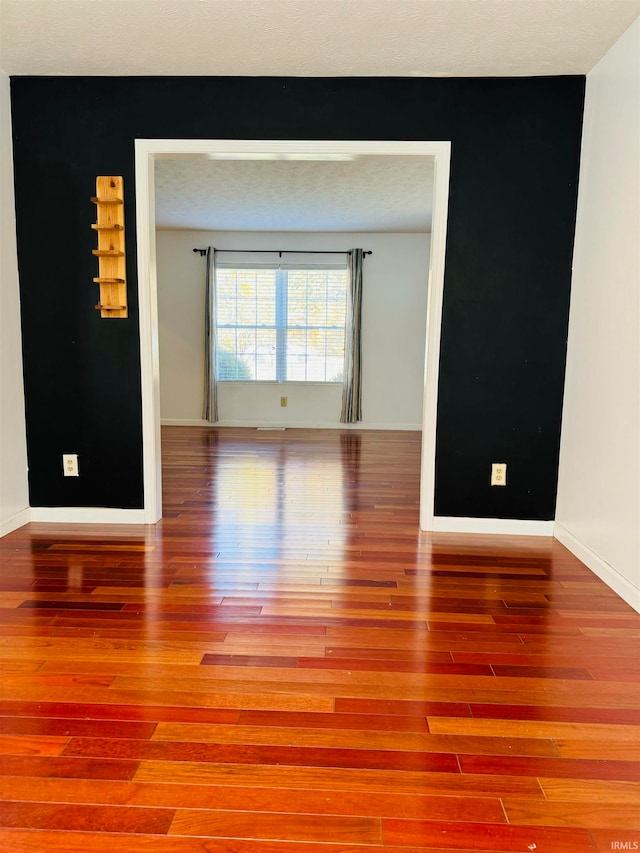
(16,521)
(184,422)
(87,515)
(613,579)
(509,526)
(290,424)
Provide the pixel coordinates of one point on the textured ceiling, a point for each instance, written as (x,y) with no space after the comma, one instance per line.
(309,37)
(369,193)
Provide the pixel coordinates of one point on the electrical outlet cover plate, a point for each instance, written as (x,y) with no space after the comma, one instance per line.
(499,474)
(70,464)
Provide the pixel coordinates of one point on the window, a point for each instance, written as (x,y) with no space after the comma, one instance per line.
(279,324)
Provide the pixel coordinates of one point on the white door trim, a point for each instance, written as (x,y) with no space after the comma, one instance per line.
(146,151)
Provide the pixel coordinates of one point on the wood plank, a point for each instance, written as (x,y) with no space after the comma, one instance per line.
(573,768)
(596,815)
(32,745)
(371,740)
(97,818)
(623,748)
(401,707)
(68,768)
(558,731)
(591,791)
(507,839)
(309,720)
(283,826)
(620,716)
(86,711)
(35,841)
(188,699)
(42,726)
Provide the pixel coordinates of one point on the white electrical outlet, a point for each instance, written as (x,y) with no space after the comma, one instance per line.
(499,474)
(70,464)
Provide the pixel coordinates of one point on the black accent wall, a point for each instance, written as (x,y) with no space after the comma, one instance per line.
(514,173)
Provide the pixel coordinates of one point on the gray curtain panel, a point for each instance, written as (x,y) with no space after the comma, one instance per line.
(210,407)
(352,383)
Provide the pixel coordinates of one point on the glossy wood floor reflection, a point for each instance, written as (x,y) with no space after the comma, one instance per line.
(285,664)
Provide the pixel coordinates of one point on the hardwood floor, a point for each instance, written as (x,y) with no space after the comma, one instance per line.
(285,664)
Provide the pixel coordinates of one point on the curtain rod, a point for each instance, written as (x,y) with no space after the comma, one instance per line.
(281,252)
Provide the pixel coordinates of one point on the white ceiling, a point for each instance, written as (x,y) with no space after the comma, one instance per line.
(368,193)
(309,37)
(305,38)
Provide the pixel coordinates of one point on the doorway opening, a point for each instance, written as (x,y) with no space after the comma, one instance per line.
(147,151)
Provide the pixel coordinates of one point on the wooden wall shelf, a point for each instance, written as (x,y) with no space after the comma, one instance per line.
(111,251)
(97,199)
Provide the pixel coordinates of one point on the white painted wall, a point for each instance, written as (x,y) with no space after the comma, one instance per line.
(14,498)
(393,320)
(598,510)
